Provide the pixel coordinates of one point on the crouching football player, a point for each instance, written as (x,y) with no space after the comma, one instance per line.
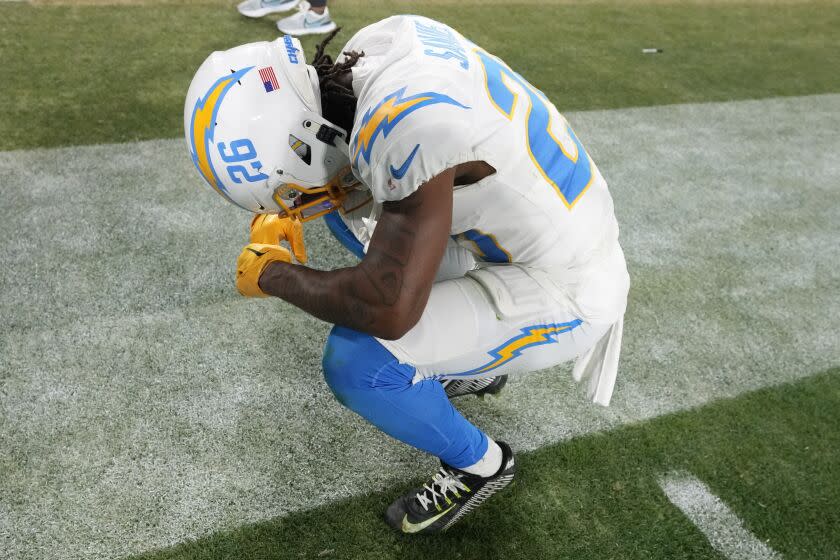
(486,234)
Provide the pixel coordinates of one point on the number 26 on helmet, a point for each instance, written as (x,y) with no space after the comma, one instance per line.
(254,130)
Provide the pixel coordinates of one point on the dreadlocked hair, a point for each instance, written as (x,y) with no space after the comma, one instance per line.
(338,102)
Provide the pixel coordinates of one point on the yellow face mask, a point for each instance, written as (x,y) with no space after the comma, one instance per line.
(309,203)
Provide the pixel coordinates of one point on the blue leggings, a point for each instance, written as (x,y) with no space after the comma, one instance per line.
(366,378)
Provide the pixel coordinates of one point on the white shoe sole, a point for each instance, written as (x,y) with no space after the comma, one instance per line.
(309,30)
(260,12)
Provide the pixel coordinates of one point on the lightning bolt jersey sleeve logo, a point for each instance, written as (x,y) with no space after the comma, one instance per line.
(398,142)
(430,99)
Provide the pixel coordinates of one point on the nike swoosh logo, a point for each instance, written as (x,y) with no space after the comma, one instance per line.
(408,527)
(400,173)
(258,253)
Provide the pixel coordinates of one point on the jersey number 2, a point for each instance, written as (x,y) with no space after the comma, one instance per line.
(563,163)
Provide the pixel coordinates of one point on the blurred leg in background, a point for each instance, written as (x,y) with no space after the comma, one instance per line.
(312,18)
(260,8)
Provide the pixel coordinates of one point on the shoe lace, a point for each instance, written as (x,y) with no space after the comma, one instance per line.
(444,481)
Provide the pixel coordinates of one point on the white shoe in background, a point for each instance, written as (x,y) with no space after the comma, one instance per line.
(260,8)
(306,22)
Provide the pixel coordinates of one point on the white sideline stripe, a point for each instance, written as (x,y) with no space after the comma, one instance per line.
(724,529)
(144,403)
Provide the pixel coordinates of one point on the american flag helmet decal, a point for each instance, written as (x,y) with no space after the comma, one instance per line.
(269,79)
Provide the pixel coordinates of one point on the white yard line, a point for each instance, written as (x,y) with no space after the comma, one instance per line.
(724,529)
(137,385)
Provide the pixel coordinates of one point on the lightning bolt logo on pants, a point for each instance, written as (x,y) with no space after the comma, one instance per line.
(531,337)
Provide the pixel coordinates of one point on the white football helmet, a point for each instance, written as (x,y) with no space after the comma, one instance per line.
(254,129)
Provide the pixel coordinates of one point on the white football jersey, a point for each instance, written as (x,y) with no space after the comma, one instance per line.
(429,99)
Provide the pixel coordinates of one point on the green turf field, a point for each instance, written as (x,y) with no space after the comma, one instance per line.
(766,454)
(119,73)
(148,411)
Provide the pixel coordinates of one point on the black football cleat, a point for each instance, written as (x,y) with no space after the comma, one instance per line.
(478,387)
(447,497)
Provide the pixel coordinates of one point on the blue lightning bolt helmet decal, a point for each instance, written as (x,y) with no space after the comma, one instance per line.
(203,127)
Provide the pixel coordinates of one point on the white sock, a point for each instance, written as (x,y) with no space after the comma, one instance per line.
(489,463)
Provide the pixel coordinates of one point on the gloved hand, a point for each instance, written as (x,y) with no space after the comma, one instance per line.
(252,261)
(272,229)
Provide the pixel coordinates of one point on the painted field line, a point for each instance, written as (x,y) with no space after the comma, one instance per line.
(724,529)
(144,402)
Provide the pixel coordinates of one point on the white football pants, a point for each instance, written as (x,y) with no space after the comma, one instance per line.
(493,321)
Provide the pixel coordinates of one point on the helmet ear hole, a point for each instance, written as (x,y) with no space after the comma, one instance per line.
(301,148)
